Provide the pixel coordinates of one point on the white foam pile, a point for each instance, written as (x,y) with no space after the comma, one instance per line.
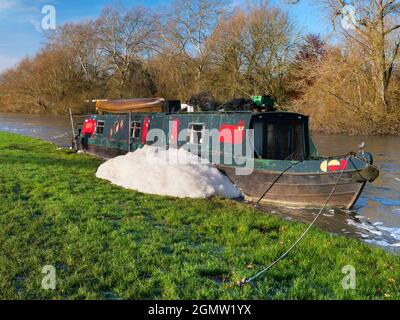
(176,173)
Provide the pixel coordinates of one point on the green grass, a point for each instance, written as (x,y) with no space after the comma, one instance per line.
(109,243)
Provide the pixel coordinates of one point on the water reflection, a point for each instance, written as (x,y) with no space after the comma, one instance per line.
(348,223)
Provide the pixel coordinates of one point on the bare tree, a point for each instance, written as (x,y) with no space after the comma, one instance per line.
(226,78)
(186,30)
(125,38)
(375,26)
(82,40)
(46,83)
(255,48)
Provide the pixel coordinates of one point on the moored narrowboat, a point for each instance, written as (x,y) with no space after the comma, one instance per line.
(286,168)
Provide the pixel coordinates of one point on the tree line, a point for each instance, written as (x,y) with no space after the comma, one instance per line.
(208,47)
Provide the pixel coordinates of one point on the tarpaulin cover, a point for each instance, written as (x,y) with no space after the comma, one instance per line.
(131,105)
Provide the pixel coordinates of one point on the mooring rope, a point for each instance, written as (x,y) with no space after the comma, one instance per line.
(249,280)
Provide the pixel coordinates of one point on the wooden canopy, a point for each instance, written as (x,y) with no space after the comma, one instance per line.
(131,105)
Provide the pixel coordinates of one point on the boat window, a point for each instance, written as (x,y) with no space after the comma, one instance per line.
(100,127)
(279,140)
(299,142)
(290,141)
(136,126)
(116,126)
(196,133)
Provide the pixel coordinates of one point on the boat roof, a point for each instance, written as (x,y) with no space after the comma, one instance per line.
(247,113)
(279,114)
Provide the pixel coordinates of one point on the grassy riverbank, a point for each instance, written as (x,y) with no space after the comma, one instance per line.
(107,243)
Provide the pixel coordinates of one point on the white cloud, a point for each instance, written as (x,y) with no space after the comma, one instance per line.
(7,62)
(7,4)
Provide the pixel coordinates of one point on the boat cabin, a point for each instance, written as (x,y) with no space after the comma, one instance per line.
(123,126)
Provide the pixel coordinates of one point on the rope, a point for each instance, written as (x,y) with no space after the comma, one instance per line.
(249,280)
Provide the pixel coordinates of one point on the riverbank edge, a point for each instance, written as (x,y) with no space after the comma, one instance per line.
(108,242)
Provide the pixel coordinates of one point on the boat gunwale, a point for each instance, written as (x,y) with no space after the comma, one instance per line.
(296,173)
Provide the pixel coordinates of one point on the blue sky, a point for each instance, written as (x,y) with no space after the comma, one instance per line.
(21,35)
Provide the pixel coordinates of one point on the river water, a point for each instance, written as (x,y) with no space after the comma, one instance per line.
(52,128)
(375,218)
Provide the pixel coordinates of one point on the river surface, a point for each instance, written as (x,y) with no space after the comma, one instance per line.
(375,218)
(56,129)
